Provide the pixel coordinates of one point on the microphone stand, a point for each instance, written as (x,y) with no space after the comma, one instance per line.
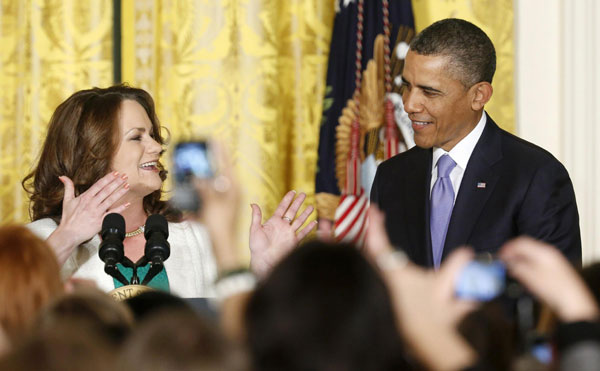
(135,280)
(112,270)
(155,267)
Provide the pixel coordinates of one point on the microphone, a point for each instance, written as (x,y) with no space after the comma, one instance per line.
(111,249)
(157,249)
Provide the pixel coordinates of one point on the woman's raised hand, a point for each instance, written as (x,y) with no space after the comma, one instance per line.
(271,241)
(82,215)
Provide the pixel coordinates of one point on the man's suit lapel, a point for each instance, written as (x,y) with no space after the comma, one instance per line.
(416,195)
(477,185)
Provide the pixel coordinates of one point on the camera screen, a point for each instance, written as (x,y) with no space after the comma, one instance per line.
(192,159)
(481,281)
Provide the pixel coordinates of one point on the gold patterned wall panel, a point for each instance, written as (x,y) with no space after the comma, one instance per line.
(49,50)
(495,17)
(250,73)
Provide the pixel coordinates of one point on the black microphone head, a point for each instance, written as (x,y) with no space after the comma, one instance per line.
(111,249)
(156,223)
(157,247)
(115,223)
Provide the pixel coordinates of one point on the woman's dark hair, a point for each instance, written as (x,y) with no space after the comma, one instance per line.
(324,307)
(82,138)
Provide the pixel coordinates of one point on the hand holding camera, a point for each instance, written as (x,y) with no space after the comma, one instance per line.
(549,276)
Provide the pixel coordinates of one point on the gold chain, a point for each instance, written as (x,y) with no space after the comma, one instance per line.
(140,230)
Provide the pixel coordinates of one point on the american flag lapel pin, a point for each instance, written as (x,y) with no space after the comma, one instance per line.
(481,185)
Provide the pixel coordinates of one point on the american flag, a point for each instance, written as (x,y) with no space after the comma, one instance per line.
(351,218)
(351,214)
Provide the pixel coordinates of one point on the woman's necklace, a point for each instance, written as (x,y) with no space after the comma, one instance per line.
(140,230)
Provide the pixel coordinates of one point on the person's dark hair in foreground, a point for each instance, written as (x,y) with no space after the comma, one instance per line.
(179,340)
(91,309)
(67,345)
(491,334)
(324,307)
(150,302)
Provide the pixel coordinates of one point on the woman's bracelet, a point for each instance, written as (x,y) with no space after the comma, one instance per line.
(234,282)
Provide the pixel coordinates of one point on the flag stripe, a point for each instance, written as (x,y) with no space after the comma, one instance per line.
(358,227)
(346,206)
(351,223)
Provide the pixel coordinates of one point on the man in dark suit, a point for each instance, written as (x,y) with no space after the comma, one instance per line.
(467,182)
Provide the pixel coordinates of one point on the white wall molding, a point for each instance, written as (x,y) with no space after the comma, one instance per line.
(537,73)
(557,49)
(580,117)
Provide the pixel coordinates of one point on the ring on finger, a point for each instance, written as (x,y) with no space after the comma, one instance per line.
(287,219)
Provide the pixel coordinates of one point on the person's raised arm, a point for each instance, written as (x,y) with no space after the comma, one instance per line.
(220,214)
(427,311)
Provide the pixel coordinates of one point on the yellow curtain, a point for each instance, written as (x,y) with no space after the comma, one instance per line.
(49,50)
(495,17)
(250,73)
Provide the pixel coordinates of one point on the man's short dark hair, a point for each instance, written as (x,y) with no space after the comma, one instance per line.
(471,52)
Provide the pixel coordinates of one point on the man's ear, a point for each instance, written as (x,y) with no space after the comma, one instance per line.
(482,92)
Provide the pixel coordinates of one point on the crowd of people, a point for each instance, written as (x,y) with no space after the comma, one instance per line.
(302,303)
(317,306)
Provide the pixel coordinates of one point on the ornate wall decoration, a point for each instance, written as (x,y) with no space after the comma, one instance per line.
(250,73)
(50,48)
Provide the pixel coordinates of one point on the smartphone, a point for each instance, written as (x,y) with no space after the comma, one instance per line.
(191,160)
(481,280)
(542,351)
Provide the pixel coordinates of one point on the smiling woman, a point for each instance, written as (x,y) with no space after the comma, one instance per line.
(102,155)
(138,151)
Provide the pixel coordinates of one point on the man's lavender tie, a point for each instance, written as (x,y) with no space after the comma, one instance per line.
(442,201)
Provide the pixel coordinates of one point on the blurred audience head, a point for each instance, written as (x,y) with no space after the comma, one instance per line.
(64,346)
(150,302)
(324,307)
(29,278)
(179,340)
(92,310)
(491,334)
(82,139)
(4,344)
